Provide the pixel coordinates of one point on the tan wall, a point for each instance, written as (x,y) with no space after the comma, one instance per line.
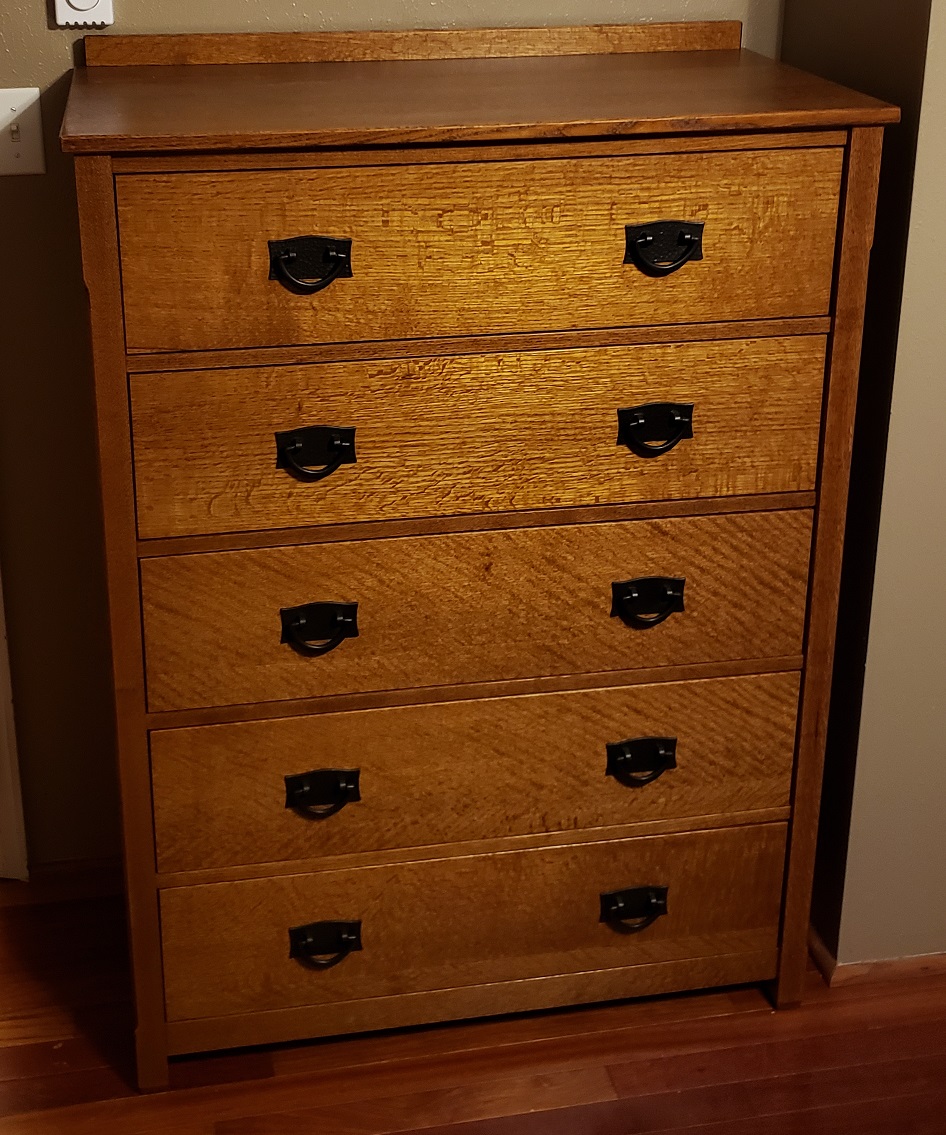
(49,526)
(895,889)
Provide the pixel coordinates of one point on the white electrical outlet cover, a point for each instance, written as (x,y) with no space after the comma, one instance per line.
(84,13)
(21,131)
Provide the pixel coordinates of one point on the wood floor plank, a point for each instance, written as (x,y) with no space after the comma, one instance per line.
(651,1113)
(653,1031)
(495,1035)
(506,1096)
(288,1094)
(44,1093)
(748,1062)
(50,1058)
(906,1115)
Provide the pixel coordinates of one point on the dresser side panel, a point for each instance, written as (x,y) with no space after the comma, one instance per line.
(858,206)
(95,188)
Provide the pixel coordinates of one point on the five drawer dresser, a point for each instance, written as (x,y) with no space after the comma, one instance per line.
(474,417)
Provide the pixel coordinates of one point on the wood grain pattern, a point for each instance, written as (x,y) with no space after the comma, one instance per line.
(543,1042)
(483,152)
(470,770)
(775,1105)
(529,994)
(504,1095)
(94,185)
(644,980)
(897,969)
(503,687)
(872,1100)
(443,924)
(497,846)
(306,105)
(472,522)
(860,198)
(424,43)
(474,249)
(301,354)
(473,434)
(435,610)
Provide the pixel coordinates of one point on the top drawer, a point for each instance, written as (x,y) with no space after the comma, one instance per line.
(461,249)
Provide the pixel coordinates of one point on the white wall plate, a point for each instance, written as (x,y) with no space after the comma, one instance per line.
(84,13)
(21,131)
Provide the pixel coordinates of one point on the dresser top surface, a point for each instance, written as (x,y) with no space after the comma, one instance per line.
(293,105)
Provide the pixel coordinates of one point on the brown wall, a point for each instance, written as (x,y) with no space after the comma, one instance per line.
(49,523)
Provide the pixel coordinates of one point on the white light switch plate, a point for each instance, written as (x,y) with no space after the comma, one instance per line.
(21,131)
(84,13)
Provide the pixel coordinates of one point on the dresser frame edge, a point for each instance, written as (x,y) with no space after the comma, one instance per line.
(102,274)
(95,188)
(410,44)
(856,231)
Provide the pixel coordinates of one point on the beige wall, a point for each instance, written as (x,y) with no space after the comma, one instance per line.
(880,887)
(49,526)
(895,888)
(881,49)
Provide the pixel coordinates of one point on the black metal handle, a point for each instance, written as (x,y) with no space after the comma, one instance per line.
(323,792)
(316,262)
(326,446)
(641,760)
(631,911)
(646,601)
(666,423)
(663,247)
(317,628)
(321,945)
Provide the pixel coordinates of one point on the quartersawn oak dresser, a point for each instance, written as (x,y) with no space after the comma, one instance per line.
(474,414)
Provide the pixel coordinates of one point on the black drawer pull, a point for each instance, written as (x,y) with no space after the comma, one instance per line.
(317,628)
(662,247)
(641,760)
(305,265)
(632,911)
(323,792)
(326,446)
(321,945)
(666,423)
(647,601)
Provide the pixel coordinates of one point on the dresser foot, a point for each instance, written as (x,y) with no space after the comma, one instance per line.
(152,1071)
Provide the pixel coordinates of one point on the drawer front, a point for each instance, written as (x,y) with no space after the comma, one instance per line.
(474,248)
(475,434)
(472,607)
(448,923)
(435,774)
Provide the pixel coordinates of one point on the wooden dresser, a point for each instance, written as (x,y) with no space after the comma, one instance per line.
(474,414)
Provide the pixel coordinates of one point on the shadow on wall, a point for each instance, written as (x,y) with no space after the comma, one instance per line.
(50,529)
(880,49)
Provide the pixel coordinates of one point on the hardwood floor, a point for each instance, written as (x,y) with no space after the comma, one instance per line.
(862,1059)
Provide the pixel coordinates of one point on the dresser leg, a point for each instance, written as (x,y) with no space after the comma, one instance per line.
(152,1061)
(780,997)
